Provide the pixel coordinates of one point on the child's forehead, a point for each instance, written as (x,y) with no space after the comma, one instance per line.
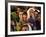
(25,27)
(24,15)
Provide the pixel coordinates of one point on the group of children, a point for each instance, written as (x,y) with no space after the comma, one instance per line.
(25,19)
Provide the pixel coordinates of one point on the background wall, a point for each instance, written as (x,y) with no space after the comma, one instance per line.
(2,18)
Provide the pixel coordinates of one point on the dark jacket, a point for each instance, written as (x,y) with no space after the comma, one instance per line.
(32,21)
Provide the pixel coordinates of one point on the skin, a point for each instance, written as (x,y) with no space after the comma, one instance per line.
(24,17)
(25,29)
(36,13)
(12,22)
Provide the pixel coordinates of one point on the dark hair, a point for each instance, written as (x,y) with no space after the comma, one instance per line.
(25,13)
(23,26)
(35,11)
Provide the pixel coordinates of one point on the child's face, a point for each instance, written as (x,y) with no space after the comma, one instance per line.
(24,17)
(36,13)
(25,29)
(12,22)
